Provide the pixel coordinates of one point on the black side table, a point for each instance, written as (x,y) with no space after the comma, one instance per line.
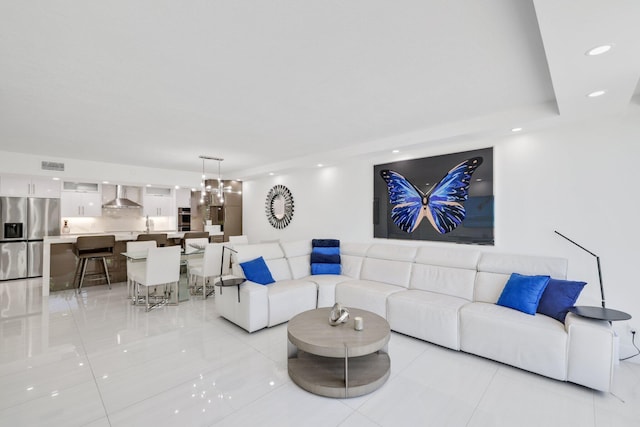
(233,281)
(600,313)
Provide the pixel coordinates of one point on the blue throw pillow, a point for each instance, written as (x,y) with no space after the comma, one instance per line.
(558,297)
(326,250)
(257,271)
(523,293)
(326,269)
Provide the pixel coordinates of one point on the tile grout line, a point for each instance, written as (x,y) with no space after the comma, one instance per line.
(86,355)
(484,393)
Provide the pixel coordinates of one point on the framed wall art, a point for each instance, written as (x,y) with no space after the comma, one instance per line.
(447,198)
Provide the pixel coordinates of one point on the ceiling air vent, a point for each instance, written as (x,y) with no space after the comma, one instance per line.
(53,166)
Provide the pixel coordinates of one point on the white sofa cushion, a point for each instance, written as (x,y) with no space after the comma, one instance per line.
(457,282)
(265,250)
(382,270)
(252,312)
(429,316)
(366,294)
(523,264)
(356,249)
(494,271)
(392,252)
(351,265)
(296,248)
(534,343)
(279,269)
(300,266)
(448,257)
(288,298)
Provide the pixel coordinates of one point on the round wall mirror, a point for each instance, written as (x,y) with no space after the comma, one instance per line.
(279,206)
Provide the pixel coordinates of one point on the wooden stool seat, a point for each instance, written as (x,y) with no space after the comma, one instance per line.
(93,248)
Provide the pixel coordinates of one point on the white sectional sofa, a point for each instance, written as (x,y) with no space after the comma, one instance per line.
(446,296)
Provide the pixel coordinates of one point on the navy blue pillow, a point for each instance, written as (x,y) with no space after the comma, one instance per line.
(558,297)
(523,293)
(325,243)
(257,271)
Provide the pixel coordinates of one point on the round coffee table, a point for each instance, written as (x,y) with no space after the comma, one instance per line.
(338,361)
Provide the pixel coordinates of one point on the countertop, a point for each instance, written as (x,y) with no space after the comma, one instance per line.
(120,235)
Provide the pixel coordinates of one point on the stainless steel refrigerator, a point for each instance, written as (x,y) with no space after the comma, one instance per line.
(24,223)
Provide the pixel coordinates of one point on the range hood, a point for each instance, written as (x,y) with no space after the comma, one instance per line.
(121,201)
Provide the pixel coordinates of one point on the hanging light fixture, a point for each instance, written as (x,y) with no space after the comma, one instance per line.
(220,184)
(204,188)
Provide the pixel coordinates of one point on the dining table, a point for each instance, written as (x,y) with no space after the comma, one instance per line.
(191,252)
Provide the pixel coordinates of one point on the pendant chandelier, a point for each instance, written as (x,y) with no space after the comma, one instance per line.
(204,188)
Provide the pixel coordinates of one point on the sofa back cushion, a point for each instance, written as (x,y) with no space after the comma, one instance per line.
(457,282)
(449,271)
(272,254)
(448,257)
(300,266)
(351,257)
(279,268)
(495,269)
(296,248)
(297,254)
(388,264)
(265,250)
(392,252)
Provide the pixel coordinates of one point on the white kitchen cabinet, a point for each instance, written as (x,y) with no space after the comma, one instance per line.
(81,199)
(26,186)
(158,201)
(183,198)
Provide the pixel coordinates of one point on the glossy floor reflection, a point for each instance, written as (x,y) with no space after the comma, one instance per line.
(95,360)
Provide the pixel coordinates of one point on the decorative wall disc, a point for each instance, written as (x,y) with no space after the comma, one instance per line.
(279,206)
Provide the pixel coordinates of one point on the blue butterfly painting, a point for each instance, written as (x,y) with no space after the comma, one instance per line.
(442,205)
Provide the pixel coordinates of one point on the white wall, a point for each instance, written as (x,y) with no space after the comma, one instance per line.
(580,179)
(27,164)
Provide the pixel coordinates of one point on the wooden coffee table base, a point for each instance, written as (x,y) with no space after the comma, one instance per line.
(324,376)
(337,361)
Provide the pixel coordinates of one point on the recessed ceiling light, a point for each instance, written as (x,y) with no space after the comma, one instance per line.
(55,178)
(105,182)
(148,185)
(516,129)
(395,151)
(320,165)
(271,173)
(596,94)
(599,50)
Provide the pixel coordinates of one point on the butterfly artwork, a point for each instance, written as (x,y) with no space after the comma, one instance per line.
(442,205)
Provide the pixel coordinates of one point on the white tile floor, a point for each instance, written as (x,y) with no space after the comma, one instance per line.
(96,360)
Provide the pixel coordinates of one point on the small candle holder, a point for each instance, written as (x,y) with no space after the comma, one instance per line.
(358,323)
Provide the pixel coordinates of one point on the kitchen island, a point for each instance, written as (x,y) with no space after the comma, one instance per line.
(59,261)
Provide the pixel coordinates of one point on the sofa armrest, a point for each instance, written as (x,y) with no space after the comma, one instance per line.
(252,312)
(591,350)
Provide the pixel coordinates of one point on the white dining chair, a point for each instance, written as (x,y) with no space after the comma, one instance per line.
(194,261)
(133,266)
(194,245)
(210,271)
(162,270)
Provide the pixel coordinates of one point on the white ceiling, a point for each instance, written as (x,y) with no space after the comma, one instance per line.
(269,85)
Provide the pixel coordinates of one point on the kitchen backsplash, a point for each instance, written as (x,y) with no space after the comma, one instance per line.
(120,220)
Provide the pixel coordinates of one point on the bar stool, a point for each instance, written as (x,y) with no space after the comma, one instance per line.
(93,248)
(160,238)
